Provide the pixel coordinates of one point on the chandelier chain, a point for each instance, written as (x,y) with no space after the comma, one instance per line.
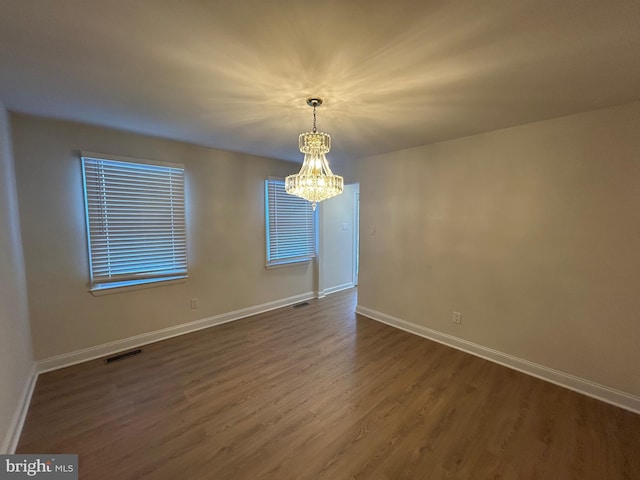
(314,118)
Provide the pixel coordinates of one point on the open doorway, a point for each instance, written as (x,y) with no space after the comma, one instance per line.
(356,235)
(338,242)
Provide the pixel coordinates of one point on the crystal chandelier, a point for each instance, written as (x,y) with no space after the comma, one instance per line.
(315,181)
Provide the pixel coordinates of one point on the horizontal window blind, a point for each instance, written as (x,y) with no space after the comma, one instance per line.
(290,225)
(135,219)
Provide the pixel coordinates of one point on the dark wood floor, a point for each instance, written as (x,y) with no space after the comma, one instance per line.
(317,392)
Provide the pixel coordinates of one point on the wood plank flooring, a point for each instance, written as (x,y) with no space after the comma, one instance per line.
(317,392)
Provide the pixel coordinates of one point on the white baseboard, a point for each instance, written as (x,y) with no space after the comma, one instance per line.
(79,356)
(566,380)
(15,428)
(336,289)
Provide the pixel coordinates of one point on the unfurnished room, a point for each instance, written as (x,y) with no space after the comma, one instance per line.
(303,240)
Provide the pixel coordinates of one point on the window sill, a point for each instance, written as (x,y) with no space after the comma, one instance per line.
(132,285)
(292,263)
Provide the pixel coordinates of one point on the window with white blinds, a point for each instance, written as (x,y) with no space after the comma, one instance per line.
(136,223)
(290,225)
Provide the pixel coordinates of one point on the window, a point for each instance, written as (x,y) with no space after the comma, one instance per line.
(290,226)
(135,221)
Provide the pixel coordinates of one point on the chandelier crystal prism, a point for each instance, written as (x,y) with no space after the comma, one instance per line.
(315,181)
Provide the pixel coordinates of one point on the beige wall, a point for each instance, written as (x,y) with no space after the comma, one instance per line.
(225,202)
(336,245)
(15,342)
(533,233)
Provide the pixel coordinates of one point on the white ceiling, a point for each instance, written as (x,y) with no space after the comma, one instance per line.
(393,74)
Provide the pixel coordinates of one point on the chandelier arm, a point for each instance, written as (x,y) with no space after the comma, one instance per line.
(325,167)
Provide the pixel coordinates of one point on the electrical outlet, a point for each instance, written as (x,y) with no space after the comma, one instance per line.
(194,303)
(457,318)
